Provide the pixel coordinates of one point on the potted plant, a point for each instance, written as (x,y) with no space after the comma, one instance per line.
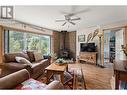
(124,49)
(53,56)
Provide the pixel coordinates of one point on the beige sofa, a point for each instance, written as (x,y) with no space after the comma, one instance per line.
(10,65)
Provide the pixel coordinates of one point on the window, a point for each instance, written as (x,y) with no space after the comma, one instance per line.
(21,41)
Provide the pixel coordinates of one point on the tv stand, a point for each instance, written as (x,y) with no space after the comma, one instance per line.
(90,57)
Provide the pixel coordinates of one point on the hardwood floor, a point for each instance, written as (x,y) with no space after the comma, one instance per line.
(95,77)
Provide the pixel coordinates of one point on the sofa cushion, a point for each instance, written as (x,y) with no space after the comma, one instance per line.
(38,56)
(31,84)
(23,60)
(31,55)
(10,57)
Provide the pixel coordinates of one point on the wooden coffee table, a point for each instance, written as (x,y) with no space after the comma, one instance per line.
(56,69)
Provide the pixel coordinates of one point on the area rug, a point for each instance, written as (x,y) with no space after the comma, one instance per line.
(78,81)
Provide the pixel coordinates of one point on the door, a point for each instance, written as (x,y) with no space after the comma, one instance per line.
(119,41)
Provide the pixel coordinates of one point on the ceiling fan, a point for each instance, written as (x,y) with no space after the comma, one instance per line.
(68,17)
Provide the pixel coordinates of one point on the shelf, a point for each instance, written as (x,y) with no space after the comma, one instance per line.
(112,52)
(112,47)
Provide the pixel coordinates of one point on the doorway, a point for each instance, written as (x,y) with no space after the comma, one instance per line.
(113,39)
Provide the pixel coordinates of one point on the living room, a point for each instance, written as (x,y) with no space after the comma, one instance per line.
(63,47)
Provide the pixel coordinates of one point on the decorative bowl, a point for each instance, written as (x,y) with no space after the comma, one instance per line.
(59,63)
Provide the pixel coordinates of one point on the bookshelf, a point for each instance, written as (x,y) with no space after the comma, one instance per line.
(112,49)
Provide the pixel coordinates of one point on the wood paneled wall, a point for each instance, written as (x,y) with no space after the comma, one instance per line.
(56,42)
(125,35)
(20,27)
(1,44)
(70,42)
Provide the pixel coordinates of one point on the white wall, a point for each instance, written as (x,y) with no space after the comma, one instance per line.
(85,32)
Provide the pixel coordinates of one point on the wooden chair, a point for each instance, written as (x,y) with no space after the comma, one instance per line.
(68,79)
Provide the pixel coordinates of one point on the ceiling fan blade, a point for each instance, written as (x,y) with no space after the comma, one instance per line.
(75,19)
(79,12)
(72,23)
(64,23)
(65,13)
(60,20)
(71,14)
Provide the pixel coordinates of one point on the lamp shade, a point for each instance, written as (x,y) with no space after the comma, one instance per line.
(100,35)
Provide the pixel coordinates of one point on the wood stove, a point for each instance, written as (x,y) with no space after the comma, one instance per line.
(64,51)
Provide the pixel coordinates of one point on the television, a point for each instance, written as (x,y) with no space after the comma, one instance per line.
(87,47)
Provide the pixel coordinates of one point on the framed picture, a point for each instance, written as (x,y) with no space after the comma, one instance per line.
(81,38)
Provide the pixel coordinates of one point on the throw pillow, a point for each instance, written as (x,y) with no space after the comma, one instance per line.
(23,60)
(31,55)
(38,56)
(31,84)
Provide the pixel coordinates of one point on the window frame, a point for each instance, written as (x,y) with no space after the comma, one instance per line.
(6,39)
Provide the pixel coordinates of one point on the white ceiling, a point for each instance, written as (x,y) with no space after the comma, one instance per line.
(45,16)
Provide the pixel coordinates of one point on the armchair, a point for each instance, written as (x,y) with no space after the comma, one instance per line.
(11,81)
